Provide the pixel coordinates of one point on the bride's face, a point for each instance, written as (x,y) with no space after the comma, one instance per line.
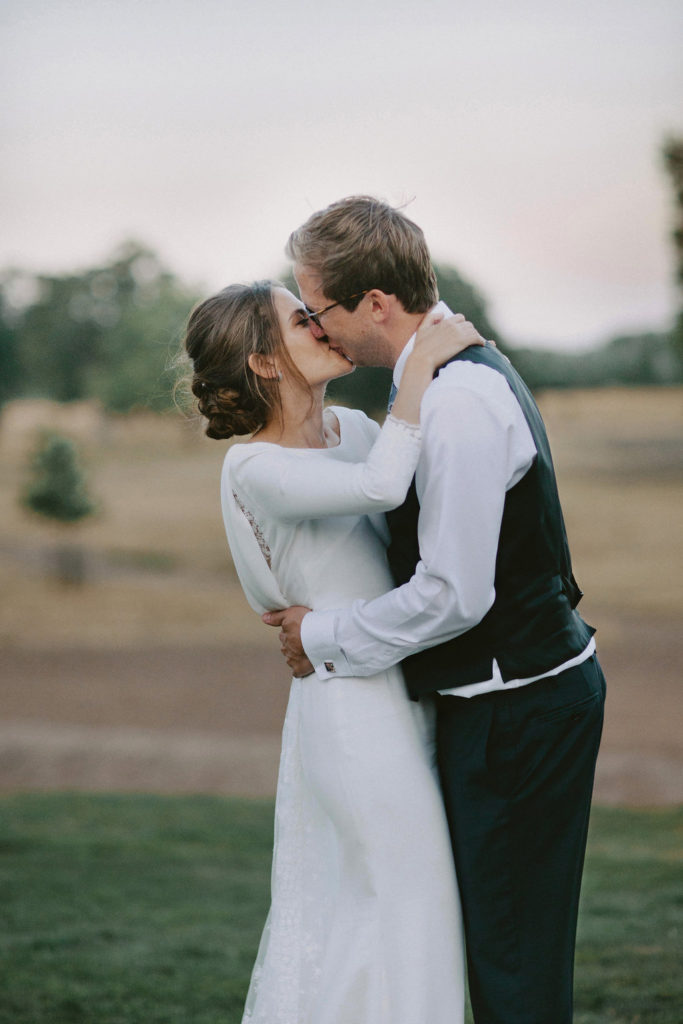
(313,357)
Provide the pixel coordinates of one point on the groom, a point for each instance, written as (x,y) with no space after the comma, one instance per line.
(482,618)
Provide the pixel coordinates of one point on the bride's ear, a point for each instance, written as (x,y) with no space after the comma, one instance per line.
(264,366)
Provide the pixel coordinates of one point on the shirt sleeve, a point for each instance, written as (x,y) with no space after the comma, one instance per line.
(290,489)
(476,445)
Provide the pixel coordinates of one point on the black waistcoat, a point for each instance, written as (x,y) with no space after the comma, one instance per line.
(532,625)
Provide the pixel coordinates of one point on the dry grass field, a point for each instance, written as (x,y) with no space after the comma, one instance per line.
(157,676)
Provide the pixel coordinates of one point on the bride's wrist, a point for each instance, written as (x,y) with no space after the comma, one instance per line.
(420,364)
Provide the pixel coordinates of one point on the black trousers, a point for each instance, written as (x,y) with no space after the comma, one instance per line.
(517,769)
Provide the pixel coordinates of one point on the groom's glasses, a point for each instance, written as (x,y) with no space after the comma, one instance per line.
(315,316)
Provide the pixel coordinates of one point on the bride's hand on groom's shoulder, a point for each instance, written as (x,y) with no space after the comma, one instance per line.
(289,622)
(439,339)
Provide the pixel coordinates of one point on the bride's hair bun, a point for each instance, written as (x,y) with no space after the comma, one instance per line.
(222,332)
(227,411)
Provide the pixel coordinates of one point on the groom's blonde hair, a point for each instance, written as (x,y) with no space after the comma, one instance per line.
(359,243)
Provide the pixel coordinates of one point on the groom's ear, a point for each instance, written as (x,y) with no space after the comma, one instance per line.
(262,366)
(380,305)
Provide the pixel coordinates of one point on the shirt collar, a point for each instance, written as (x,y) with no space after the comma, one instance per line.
(440,307)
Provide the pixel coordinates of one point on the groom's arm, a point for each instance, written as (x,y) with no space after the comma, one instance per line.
(476,444)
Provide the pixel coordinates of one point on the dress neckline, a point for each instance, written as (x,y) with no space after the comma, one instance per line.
(334,409)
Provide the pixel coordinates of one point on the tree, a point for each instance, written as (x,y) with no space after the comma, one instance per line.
(108,332)
(57,491)
(672,152)
(629,360)
(10,369)
(463,297)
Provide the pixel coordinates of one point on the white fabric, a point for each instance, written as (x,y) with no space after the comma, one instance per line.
(364,926)
(476,446)
(319,482)
(498,683)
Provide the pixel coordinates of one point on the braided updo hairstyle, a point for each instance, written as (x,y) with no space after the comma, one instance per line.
(222,332)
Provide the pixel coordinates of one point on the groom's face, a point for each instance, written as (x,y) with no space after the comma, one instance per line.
(353,332)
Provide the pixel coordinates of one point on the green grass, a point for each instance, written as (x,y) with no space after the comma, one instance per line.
(630,942)
(130,910)
(147,910)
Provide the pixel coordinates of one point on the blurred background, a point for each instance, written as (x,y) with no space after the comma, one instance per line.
(157,151)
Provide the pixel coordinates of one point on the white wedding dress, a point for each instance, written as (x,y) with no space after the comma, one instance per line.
(364,925)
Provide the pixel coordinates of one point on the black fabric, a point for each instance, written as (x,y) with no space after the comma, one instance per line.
(516,769)
(532,626)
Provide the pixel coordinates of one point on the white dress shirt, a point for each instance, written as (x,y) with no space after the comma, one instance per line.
(476,446)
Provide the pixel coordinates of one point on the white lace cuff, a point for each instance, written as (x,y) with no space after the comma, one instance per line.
(413,429)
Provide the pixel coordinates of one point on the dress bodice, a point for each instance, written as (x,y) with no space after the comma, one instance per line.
(288,497)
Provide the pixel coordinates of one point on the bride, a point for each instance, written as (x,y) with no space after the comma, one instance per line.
(364,925)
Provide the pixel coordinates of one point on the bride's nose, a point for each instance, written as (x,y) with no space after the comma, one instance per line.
(315,328)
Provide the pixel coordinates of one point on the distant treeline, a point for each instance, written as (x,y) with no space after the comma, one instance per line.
(629,359)
(113,333)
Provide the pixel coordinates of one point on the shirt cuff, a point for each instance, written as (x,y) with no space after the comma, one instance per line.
(317,638)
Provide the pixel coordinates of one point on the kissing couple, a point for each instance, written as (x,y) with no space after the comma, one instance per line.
(444,718)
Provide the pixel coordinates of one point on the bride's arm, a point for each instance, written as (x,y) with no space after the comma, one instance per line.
(290,485)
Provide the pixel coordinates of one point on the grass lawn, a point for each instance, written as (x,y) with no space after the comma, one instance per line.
(147,910)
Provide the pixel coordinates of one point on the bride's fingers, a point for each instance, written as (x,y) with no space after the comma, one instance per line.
(461,332)
(433,317)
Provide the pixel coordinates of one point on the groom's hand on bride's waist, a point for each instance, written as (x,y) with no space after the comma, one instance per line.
(289,622)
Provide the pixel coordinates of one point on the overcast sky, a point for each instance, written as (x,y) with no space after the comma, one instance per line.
(527,136)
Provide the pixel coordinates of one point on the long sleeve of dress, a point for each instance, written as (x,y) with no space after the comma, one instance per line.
(291,485)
